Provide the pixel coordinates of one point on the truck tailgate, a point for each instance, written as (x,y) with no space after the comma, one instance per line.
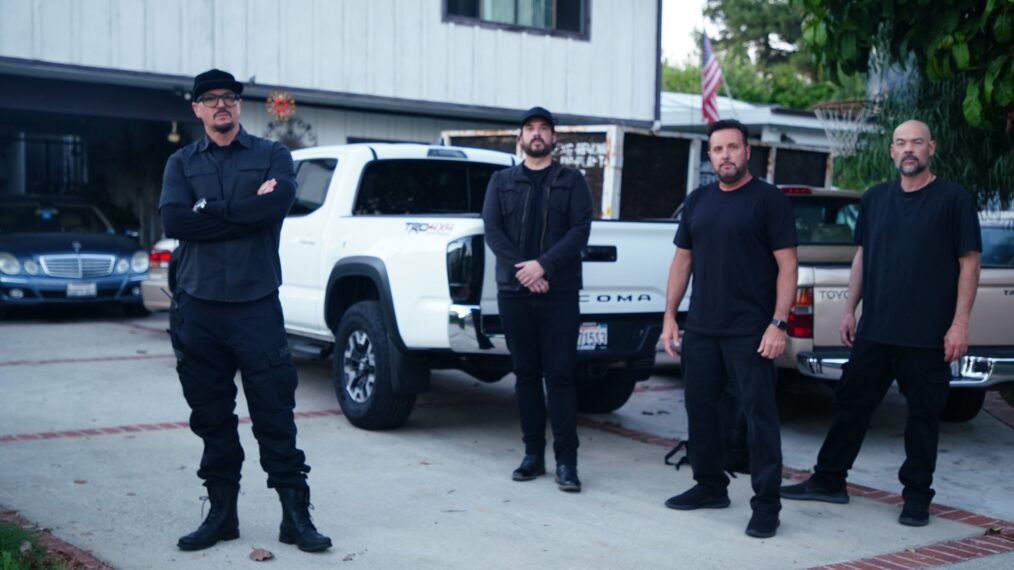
(830,291)
(625,269)
(994,299)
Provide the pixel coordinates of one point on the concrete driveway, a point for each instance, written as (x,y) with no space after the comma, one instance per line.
(94,445)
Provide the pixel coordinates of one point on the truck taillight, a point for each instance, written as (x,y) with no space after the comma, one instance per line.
(160,258)
(465,263)
(801,314)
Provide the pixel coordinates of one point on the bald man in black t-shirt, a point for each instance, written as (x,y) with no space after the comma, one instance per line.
(916,272)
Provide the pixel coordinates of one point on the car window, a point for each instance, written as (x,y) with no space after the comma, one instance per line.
(412,186)
(313,177)
(824,220)
(39,218)
(998,246)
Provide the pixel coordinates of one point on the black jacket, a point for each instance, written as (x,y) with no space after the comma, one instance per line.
(567,211)
(228,252)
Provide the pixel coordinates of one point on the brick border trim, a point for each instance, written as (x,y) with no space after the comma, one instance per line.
(76,558)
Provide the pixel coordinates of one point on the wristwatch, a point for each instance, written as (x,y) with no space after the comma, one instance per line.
(199,206)
(784,326)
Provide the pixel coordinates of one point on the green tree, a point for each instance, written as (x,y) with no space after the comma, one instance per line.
(971,41)
(766,32)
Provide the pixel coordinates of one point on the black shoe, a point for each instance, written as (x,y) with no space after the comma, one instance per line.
(531,467)
(762,525)
(297,526)
(914,514)
(698,497)
(810,491)
(222,523)
(566,478)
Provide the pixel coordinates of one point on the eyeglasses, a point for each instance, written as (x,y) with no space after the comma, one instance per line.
(230,100)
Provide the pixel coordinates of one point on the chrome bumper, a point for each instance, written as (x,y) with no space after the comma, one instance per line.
(972,371)
(465,335)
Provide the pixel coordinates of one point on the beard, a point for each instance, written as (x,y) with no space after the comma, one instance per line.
(911,169)
(223,127)
(545,150)
(731,177)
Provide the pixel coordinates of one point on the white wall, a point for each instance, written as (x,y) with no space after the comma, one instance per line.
(389,48)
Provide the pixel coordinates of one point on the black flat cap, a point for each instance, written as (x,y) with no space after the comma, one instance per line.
(215,79)
(540,112)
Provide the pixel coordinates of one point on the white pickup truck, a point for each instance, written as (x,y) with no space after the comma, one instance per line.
(384,267)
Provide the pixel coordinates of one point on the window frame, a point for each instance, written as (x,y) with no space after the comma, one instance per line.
(584,35)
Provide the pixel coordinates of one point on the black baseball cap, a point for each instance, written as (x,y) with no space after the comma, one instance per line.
(215,79)
(540,112)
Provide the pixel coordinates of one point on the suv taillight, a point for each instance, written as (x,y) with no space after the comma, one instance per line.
(465,261)
(160,258)
(801,314)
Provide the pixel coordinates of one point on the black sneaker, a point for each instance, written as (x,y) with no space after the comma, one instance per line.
(762,525)
(698,497)
(531,467)
(914,514)
(810,491)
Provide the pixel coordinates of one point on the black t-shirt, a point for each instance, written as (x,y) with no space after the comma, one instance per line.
(535,217)
(733,236)
(911,243)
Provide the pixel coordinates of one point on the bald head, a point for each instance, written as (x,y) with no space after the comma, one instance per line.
(912,148)
(913,129)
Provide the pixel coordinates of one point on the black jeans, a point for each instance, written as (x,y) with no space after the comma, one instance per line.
(708,363)
(212,341)
(924,379)
(542,336)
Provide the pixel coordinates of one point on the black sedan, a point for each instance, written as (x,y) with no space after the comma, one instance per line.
(62,250)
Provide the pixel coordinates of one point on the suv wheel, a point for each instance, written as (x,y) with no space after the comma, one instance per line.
(963,404)
(606,394)
(363,378)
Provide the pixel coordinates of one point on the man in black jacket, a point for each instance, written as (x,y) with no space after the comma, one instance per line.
(537,218)
(225,197)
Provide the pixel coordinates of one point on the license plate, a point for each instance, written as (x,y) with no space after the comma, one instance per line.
(593,336)
(81,290)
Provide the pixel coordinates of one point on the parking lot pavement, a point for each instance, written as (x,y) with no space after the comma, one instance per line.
(94,445)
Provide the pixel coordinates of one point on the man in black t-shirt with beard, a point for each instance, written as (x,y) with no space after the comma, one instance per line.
(916,271)
(738,239)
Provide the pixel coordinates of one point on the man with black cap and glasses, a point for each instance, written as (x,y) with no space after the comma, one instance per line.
(225,197)
(537,217)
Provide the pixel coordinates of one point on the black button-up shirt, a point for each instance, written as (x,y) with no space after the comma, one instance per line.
(229,251)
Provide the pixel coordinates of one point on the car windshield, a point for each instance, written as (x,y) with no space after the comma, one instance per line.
(998,246)
(37,217)
(825,220)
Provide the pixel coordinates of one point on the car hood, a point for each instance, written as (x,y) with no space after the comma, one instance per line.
(24,245)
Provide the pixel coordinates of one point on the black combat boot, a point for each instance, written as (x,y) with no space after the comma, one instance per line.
(297,527)
(222,523)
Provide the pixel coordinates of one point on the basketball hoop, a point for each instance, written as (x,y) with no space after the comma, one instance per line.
(843,122)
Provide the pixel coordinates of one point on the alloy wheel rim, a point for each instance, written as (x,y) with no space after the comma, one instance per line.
(359,367)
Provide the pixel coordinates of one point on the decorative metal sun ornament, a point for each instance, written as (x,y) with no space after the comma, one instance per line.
(281,105)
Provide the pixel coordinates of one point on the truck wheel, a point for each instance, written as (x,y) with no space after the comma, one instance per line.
(363,378)
(963,404)
(604,395)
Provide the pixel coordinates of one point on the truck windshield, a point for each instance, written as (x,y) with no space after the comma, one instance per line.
(413,186)
(825,220)
(998,246)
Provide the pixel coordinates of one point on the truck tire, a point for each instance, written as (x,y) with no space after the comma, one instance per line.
(363,376)
(606,394)
(963,404)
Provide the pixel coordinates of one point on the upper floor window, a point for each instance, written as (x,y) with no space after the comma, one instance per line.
(557,17)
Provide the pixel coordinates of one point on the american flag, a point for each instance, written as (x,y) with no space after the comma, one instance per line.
(711,79)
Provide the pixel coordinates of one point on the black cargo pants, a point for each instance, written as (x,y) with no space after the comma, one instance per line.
(213,340)
(924,379)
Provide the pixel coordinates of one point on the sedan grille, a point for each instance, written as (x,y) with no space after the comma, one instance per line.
(77,266)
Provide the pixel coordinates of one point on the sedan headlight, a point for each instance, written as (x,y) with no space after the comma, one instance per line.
(122,266)
(31,267)
(9,264)
(139,263)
